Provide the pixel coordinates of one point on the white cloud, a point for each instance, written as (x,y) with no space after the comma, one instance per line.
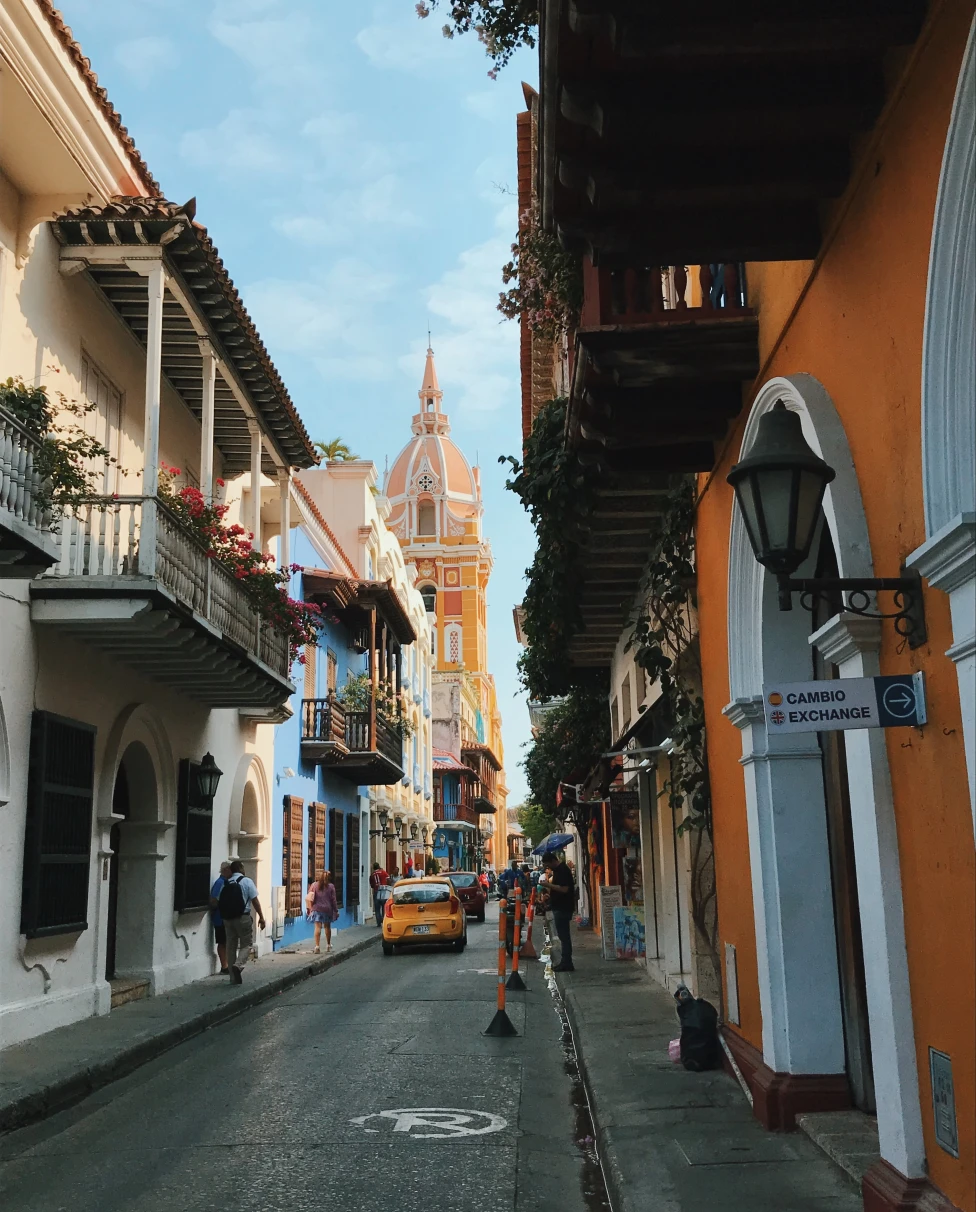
(328,318)
(379,204)
(477,350)
(242,143)
(492,104)
(399,40)
(144,58)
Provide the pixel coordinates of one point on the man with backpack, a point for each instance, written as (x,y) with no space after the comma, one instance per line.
(236,898)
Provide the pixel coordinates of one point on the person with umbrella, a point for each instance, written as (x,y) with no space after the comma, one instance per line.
(562,902)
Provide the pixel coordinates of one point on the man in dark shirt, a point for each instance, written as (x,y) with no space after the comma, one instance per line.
(562,902)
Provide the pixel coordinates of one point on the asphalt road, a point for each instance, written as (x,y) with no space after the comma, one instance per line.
(369,1087)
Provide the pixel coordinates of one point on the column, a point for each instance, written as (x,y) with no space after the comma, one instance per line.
(852,643)
(284,501)
(254,429)
(789,859)
(156,287)
(208,382)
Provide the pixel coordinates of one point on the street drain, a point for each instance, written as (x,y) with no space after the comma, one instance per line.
(593,1185)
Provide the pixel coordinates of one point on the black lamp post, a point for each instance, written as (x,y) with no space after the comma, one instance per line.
(414,831)
(779,487)
(384,819)
(208,776)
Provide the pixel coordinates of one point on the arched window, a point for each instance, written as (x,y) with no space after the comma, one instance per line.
(429,594)
(430,404)
(426,518)
(452,641)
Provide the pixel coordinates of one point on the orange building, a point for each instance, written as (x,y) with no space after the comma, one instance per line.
(823,199)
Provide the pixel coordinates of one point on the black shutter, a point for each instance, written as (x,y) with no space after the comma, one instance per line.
(352,899)
(57,842)
(194,833)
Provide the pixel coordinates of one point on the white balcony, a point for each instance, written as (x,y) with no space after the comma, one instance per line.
(131,581)
(27,546)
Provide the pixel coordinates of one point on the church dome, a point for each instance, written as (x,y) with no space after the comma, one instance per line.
(431,465)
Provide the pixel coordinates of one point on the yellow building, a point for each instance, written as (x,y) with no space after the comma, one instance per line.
(436,514)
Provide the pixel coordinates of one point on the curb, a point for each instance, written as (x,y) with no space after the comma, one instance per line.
(64,1093)
(607,1154)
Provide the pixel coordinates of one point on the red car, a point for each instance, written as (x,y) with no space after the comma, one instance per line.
(470,893)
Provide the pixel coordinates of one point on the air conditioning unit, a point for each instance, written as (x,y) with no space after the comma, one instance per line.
(278,913)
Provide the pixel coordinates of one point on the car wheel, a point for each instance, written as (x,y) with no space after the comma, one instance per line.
(481,916)
(387,948)
(461,943)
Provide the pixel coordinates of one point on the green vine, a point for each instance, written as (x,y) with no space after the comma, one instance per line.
(570,742)
(665,637)
(559,494)
(356,694)
(67,458)
(548,290)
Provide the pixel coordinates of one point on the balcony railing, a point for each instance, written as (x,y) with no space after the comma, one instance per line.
(343,739)
(133,536)
(454,812)
(659,293)
(23,511)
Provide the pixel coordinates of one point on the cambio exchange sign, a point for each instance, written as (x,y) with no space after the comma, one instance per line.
(891,702)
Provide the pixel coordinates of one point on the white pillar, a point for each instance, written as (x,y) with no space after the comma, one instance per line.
(852,643)
(796,948)
(209,377)
(284,543)
(155,286)
(948,562)
(254,429)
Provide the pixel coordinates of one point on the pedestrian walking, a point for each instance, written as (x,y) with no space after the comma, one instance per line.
(562,902)
(378,879)
(323,908)
(220,933)
(234,902)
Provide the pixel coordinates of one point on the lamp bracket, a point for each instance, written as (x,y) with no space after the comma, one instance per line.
(856,595)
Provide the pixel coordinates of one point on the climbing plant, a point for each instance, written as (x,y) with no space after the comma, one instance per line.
(545,283)
(558,493)
(665,638)
(569,743)
(502,25)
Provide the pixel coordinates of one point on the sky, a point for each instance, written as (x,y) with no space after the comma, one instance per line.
(357,172)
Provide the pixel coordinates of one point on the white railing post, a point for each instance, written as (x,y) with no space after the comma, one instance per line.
(284,543)
(156,289)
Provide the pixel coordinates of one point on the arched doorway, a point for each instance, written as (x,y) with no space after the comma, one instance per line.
(251,834)
(789,783)
(130,932)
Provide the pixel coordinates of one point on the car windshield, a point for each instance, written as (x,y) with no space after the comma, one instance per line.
(462,879)
(421,894)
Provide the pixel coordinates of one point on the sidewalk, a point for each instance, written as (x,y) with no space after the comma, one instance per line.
(670,1140)
(47,1074)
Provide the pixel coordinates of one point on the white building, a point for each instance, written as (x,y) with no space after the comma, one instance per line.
(126,654)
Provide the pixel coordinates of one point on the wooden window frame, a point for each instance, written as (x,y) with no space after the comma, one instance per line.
(194,823)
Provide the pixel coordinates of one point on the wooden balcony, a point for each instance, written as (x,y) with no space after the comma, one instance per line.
(708,132)
(27,546)
(454,814)
(344,742)
(132,582)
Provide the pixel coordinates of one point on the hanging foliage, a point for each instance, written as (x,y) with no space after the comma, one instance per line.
(570,742)
(502,25)
(548,284)
(558,492)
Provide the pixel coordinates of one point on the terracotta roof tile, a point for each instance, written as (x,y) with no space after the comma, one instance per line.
(99,95)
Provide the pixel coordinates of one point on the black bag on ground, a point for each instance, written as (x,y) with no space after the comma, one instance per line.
(700,1047)
(230,902)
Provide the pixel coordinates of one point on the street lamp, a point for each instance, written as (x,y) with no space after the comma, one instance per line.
(398,825)
(413,831)
(384,819)
(779,487)
(428,844)
(208,776)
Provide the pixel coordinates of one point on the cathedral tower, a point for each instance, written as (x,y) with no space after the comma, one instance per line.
(436,513)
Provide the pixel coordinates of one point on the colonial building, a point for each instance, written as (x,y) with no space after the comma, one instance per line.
(807,271)
(126,654)
(436,514)
(393,623)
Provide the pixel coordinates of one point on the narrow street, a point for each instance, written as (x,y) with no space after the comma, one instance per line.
(266,1112)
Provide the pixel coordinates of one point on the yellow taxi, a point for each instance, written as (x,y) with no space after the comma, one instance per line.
(424,911)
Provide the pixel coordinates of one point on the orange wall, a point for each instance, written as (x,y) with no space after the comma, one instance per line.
(858,330)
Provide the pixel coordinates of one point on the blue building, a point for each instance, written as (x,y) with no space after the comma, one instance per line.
(343,734)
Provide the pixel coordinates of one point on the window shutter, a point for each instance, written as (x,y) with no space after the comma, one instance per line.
(332,671)
(320,811)
(194,838)
(337,852)
(292,856)
(57,844)
(353,895)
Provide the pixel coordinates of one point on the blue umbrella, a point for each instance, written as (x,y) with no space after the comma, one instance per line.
(553,841)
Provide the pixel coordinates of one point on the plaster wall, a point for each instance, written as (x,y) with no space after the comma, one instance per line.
(856,326)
